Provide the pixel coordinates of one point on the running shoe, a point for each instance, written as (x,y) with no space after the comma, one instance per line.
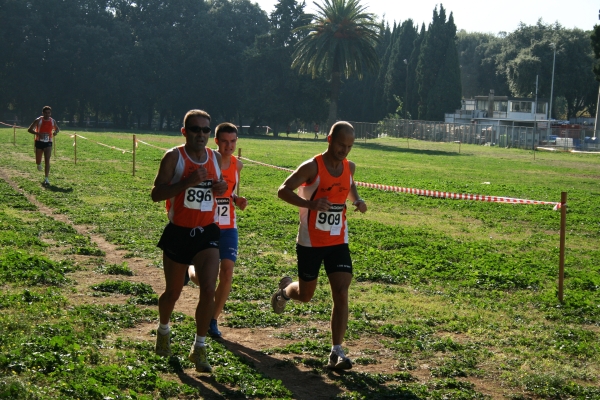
(46,182)
(198,357)
(163,344)
(278,302)
(339,361)
(213,329)
(39,167)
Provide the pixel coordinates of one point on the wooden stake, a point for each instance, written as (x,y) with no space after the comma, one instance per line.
(75,147)
(561,262)
(239,177)
(134,142)
(14,134)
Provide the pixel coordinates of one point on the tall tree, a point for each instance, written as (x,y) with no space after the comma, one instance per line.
(397,67)
(274,93)
(342,40)
(432,59)
(595,38)
(412,101)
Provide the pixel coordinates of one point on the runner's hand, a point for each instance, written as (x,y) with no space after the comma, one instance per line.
(321,204)
(219,187)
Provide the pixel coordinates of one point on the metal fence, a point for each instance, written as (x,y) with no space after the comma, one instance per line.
(492,135)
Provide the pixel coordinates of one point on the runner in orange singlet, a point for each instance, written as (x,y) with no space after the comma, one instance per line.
(44,128)
(226,139)
(324,184)
(189,178)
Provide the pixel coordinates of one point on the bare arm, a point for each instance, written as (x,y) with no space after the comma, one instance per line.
(33,125)
(240,201)
(219,186)
(305,173)
(162,189)
(353,195)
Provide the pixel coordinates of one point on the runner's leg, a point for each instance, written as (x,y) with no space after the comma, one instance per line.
(339,282)
(206,265)
(174,274)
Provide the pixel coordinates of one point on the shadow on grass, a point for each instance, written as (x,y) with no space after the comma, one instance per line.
(307,385)
(56,189)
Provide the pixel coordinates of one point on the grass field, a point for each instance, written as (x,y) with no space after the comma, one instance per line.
(452,299)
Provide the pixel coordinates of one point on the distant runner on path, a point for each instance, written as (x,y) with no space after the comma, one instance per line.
(189,178)
(226,138)
(44,128)
(324,184)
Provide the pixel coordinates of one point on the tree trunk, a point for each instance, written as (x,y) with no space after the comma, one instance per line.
(336,83)
(162,120)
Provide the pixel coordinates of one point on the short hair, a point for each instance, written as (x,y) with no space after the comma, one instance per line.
(195,113)
(339,127)
(47,108)
(225,127)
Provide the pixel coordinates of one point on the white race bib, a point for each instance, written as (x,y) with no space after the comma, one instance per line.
(44,137)
(331,220)
(224,210)
(199,197)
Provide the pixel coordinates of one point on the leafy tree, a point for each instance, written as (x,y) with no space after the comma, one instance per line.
(342,40)
(274,93)
(528,52)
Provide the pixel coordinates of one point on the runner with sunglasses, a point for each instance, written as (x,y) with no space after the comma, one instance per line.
(189,178)
(226,139)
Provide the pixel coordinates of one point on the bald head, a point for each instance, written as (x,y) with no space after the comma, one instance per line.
(338,128)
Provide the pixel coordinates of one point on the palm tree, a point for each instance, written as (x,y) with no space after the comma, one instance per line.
(341,39)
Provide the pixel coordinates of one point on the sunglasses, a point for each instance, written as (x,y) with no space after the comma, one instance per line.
(198,129)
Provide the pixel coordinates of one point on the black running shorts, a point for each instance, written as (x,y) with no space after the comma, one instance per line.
(336,259)
(182,244)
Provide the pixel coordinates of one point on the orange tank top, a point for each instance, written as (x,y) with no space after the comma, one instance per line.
(44,130)
(225,205)
(325,228)
(195,206)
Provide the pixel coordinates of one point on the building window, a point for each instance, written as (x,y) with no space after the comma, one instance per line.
(541,108)
(500,106)
(520,106)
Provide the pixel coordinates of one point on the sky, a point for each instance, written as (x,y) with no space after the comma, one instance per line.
(480,16)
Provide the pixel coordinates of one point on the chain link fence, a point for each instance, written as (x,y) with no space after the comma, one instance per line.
(520,137)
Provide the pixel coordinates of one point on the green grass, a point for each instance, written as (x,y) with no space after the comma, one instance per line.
(467,288)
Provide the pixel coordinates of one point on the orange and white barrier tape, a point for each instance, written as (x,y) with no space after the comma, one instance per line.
(435,193)
(101,144)
(148,144)
(12,126)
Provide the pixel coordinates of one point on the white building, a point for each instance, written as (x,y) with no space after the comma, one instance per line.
(501,111)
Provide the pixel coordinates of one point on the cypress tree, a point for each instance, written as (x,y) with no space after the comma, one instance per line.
(412,90)
(395,78)
(432,59)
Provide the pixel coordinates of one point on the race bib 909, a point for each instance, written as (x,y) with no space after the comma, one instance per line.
(330,220)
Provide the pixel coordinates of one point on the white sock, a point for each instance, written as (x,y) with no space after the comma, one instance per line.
(163,329)
(200,341)
(337,349)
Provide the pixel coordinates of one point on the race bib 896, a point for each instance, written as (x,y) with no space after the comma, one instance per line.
(199,197)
